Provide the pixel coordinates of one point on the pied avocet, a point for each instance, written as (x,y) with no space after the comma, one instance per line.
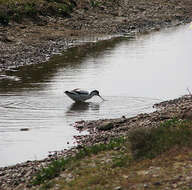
(81,95)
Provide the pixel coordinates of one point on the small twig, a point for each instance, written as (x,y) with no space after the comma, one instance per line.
(189,92)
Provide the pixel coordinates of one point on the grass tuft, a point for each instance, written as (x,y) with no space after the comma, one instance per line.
(121,161)
(148,143)
(17,10)
(54,169)
(4,18)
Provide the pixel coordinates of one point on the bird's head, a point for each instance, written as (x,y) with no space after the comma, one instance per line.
(96,93)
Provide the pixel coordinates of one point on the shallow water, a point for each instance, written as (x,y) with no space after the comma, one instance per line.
(131,73)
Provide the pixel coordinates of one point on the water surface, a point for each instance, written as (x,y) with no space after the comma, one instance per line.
(131,73)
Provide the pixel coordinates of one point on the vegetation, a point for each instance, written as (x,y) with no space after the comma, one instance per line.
(59,165)
(17,10)
(107,166)
(148,143)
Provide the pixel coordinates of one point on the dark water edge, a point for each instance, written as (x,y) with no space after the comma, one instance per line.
(21,77)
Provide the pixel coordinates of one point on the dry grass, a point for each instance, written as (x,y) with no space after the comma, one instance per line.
(170,170)
(108,167)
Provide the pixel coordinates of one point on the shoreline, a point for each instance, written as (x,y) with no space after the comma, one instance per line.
(43,51)
(100,131)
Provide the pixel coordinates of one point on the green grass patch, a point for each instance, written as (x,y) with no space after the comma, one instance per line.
(4,18)
(148,143)
(94,3)
(121,160)
(54,169)
(95,165)
(17,10)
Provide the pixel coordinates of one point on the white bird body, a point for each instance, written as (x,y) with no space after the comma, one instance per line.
(79,95)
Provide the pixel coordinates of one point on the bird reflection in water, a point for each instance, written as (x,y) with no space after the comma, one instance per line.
(79,106)
(82,107)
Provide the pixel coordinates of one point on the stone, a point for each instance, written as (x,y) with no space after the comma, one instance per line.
(187,115)
(157,183)
(118,188)
(5,38)
(24,129)
(105,126)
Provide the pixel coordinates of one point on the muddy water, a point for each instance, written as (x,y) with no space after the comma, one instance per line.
(131,73)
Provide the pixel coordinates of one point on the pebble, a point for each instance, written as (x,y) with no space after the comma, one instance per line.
(118,188)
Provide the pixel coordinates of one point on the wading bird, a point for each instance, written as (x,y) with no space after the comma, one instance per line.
(81,95)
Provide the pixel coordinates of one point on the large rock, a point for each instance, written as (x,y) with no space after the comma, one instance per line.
(187,114)
(106,126)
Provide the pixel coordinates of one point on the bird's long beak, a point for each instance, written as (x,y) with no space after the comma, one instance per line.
(101,97)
